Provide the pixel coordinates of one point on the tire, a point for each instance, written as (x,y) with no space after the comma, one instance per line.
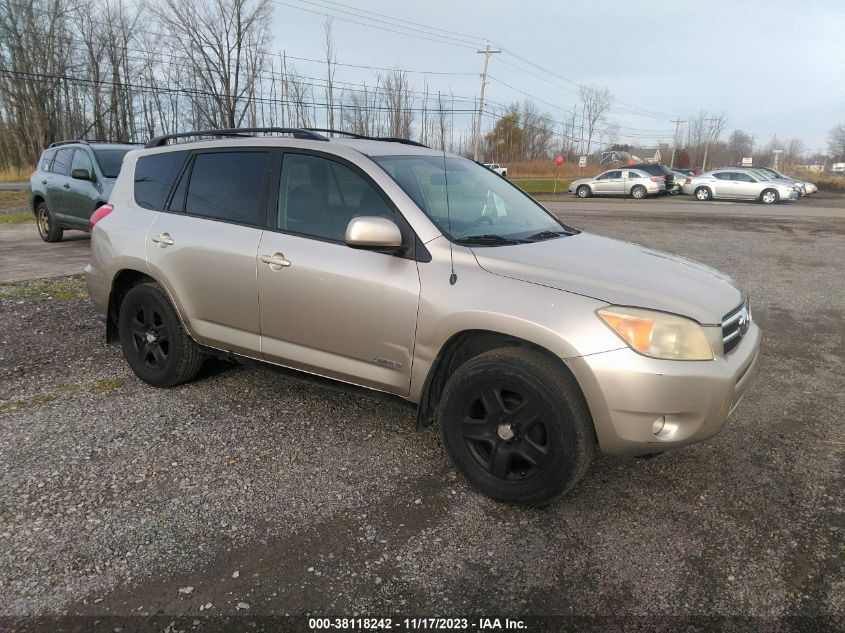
(638,192)
(48,229)
(703,194)
(769,196)
(516,426)
(156,346)
(584,191)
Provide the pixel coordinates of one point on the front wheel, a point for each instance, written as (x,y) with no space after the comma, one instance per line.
(704,194)
(48,230)
(769,196)
(638,192)
(516,426)
(584,191)
(156,346)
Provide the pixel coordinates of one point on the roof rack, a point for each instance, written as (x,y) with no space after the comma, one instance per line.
(385,139)
(296,132)
(90,141)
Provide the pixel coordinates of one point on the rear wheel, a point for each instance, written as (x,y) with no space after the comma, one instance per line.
(48,230)
(769,196)
(704,194)
(584,191)
(638,192)
(516,426)
(156,346)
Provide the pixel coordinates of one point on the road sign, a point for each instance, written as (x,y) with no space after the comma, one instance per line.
(582,162)
(747,161)
(559,161)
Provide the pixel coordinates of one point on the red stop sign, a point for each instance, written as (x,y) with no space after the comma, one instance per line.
(559,161)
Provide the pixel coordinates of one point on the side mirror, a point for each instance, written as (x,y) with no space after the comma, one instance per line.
(370,231)
(80,174)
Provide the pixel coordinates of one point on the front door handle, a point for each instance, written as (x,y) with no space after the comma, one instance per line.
(66,186)
(277,261)
(163,240)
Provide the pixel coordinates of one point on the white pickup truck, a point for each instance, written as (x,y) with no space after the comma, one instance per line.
(499,169)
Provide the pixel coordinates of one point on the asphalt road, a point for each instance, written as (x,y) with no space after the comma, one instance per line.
(245,487)
(14,186)
(24,255)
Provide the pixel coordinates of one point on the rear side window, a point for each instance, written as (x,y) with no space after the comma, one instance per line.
(227,186)
(61,164)
(46,159)
(154,176)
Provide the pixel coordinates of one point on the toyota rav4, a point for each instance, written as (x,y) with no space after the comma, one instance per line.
(422,277)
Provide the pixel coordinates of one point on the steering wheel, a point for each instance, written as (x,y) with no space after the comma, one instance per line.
(482,219)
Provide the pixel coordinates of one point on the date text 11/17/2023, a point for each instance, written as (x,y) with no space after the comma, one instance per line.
(416,624)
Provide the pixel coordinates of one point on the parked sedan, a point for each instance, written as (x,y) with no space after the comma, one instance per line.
(739,184)
(619,182)
(808,188)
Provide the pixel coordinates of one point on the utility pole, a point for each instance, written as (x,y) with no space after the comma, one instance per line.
(677,123)
(487,52)
(707,143)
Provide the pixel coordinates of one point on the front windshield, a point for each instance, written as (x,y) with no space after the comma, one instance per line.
(110,160)
(475,204)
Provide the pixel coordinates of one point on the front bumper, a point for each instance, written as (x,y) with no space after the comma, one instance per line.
(627,393)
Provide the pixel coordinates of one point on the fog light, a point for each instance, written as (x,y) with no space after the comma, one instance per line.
(658,424)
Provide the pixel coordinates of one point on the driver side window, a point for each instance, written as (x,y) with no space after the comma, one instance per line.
(318,197)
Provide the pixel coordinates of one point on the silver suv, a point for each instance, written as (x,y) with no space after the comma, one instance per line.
(428,279)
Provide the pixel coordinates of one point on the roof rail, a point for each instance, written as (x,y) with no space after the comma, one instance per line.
(385,139)
(296,132)
(92,140)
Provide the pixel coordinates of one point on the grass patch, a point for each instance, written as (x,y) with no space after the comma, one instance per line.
(15,174)
(66,391)
(545,185)
(16,218)
(38,290)
(13,201)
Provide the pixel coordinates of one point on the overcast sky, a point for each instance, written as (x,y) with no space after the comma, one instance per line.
(774,67)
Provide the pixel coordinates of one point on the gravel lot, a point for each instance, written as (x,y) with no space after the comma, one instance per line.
(246,487)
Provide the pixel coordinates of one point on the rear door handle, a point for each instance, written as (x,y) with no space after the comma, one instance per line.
(43,182)
(277,261)
(66,186)
(163,240)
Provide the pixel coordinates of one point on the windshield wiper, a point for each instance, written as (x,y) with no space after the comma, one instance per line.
(487,239)
(546,235)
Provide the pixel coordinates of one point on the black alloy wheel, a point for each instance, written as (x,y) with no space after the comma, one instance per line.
(513,421)
(154,342)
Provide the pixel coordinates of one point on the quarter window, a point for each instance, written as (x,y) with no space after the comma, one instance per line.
(154,176)
(227,186)
(46,159)
(318,197)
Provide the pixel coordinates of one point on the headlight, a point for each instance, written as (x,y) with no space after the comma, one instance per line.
(658,334)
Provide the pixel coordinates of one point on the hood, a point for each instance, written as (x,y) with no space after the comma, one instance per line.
(619,273)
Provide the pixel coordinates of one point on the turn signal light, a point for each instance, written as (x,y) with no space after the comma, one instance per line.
(99,214)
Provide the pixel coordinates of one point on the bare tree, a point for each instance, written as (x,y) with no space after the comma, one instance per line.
(595,102)
(396,91)
(224,44)
(836,141)
(739,145)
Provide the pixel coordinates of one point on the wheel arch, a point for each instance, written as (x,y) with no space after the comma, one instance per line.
(36,200)
(463,346)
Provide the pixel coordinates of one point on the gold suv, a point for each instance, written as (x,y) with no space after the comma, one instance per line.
(392,267)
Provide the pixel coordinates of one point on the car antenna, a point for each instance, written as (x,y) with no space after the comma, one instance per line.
(453,277)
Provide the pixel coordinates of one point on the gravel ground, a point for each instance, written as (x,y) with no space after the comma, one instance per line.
(246,488)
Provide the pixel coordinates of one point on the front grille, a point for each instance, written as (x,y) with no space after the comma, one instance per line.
(734,326)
